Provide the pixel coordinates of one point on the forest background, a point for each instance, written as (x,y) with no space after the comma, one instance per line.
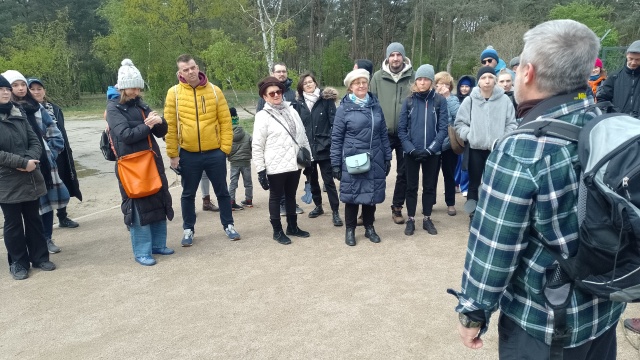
(76,46)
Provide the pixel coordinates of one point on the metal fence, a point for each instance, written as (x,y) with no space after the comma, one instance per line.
(613,57)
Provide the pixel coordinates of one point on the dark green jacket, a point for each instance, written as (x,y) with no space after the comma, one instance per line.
(391,94)
(18,144)
(241,148)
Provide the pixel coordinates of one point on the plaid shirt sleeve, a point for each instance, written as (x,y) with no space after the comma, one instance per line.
(497,236)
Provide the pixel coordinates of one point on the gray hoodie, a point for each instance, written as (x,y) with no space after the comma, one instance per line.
(481,122)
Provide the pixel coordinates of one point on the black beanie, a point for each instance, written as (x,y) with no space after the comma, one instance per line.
(233,111)
(4,82)
(485,69)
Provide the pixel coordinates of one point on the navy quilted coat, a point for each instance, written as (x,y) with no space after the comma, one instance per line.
(351,135)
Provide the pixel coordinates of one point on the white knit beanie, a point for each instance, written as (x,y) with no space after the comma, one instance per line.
(355,74)
(13,75)
(129,76)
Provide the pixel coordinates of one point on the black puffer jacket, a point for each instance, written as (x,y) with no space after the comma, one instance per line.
(318,122)
(623,91)
(66,165)
(129,135)
(18,144)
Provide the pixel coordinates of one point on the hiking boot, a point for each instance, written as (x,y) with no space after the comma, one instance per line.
(427,224)
(410,227)
(396,215)
(247,203)
(232,233)
(18,271)
(45,266)
(283,211)
(52,247)
(163,251)
(350,237)
(187,238)
(207,205)
(281,238)
(145,260)
(235,207)
(336,219)
(370,233)
(633,324)
(68,223)
(299,210)
(316,212)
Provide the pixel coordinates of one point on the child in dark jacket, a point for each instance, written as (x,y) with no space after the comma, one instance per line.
(240,160)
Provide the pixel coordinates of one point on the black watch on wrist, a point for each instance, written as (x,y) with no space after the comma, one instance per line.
(467,322)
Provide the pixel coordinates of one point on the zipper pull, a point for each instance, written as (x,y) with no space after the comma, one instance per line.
(625,186)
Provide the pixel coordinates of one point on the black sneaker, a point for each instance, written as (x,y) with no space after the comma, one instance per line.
(316,212)
(299,210)
(280,237)
(427,224)
(52,247)
(235,207)
(68,223)
(410,227)
(18,271)
(247,203)
(45,266)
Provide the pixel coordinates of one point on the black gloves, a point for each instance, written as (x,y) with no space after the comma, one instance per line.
(387,165)
(336,171)
(262,178)
(308,171)
(420,155)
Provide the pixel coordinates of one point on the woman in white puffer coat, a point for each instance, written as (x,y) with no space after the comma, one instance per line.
(274,154)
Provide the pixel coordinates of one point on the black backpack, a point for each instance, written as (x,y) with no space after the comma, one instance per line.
(607,263)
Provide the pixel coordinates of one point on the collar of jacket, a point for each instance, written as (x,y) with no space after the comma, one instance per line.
(14,113)
(350,106)
(386,72)
(426,95)
(139,103)
(634,72)
(203,80)
(477,94)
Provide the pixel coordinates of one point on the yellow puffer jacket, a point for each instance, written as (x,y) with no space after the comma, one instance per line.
(205,121)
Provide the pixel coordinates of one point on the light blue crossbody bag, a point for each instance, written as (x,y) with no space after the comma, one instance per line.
(360,163)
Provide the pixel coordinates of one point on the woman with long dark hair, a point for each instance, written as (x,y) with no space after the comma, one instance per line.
(317,108)
(132,126)
(21,186)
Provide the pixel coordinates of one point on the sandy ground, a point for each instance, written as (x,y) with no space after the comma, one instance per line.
(250,299)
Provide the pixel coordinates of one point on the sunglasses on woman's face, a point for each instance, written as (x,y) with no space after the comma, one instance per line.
(275,93)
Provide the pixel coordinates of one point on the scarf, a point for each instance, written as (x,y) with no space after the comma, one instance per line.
(360,102)
(49,107)
(283,110)
(30,106)
(311,98)
(6,108)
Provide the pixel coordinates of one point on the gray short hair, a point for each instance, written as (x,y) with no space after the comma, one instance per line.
(563,53)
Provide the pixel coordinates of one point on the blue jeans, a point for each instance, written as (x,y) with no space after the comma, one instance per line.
(147,237)
(462,176)
(192,164)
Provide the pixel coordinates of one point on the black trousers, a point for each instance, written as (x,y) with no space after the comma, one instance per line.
(517,344)
(448,163)
(23,235)
(477,160)
(351,215)
(62,213)
(327,178)
(283,184)
(400,191)
(430,172)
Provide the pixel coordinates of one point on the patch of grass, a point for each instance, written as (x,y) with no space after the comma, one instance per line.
(91,106)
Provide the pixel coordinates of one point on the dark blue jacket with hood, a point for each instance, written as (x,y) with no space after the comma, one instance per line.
(420,127)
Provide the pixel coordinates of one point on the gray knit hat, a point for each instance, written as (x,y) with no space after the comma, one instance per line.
(395,47)
(634,47)
(425,71)
(129,76)
(515,61)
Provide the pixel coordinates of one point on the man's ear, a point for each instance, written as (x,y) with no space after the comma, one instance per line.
(528,73)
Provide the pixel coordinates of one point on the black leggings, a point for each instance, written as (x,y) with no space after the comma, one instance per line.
(477,160)
(283,184)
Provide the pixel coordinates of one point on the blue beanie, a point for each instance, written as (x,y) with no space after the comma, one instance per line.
(465,81)
(395,47)
(489,52)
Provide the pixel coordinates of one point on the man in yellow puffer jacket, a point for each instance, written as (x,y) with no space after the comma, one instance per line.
(199,138)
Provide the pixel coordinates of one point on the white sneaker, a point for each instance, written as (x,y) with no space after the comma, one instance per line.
(232,233)
(187,238)
(464,193)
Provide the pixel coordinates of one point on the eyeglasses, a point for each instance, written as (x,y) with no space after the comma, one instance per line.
(361,83)
(280,72)
(275,93)
(487,61)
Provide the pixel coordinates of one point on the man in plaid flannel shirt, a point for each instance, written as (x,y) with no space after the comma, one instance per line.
(529,196)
